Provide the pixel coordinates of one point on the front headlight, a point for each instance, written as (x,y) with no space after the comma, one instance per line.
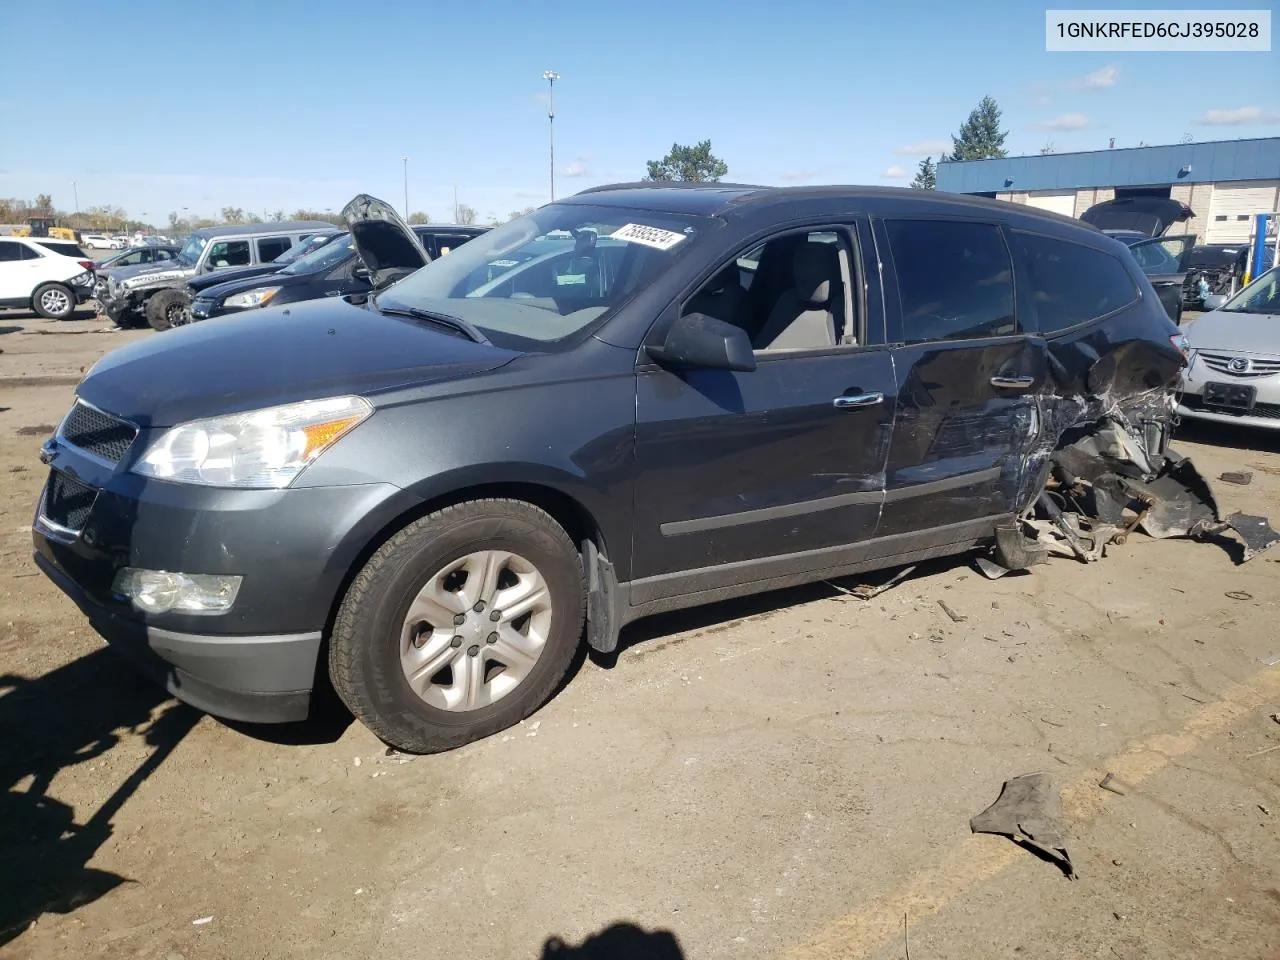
(260,449)
(257,297)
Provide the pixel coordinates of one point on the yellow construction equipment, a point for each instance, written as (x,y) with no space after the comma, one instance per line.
(46,227)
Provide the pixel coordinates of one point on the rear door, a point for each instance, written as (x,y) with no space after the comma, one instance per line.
(746,476)
(966,376)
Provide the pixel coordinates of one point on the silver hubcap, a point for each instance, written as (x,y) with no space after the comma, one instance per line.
(475,631)
(54,301)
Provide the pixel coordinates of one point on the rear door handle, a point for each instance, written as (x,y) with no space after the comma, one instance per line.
(857,400)
(1012,383)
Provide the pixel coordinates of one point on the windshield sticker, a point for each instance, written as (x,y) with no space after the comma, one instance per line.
(654,237)
(504,263)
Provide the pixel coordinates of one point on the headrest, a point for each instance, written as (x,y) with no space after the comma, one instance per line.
(811,270)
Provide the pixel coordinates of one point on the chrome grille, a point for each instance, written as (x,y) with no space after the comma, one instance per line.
(96,433)
(67,502)
(1235,365)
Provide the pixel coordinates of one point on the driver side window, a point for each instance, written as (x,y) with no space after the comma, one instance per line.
(793,292)
(229,253)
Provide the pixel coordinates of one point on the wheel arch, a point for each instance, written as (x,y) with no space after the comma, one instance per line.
(568,511)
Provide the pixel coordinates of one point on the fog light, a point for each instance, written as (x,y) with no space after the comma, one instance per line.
(159,591)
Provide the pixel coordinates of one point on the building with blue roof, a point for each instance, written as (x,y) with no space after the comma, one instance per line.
(1226,183)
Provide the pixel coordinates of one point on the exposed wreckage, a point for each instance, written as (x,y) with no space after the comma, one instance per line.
(1111,473)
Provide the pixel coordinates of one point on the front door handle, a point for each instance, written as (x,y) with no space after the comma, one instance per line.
(857,400)
(1012,383)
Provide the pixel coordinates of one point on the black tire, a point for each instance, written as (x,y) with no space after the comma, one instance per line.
(164,309)
(53,301)
(364,650)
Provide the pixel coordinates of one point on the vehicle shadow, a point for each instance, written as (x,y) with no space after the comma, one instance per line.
(1226,435)
(70,716)
(719,615)
(621,941)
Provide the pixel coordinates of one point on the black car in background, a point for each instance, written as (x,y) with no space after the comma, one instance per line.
(332,270)
(639,398)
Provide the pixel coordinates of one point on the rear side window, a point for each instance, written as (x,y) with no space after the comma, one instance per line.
(29,253)
(1070,283)
(65,247)
(955,279)
(10,251)
(271,247)
(230,253)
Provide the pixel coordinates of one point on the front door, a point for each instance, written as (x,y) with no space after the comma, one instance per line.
(967,378)
(777,471)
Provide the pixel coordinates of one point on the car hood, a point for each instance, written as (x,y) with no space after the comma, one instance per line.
(219,277)
(277,355)
(384,242)
(1223,330)
(1150,216)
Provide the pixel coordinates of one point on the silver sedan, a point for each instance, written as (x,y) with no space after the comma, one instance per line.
(1234,372)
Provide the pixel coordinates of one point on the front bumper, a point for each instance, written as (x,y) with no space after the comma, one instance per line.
(294,548)
(257,679)
(1262,386)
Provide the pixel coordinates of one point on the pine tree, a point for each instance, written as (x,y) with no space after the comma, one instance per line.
(926,176)
(980,136)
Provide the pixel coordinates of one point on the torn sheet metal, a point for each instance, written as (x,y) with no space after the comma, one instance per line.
(1029,812)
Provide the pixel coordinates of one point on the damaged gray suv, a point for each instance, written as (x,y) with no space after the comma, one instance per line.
(638,398)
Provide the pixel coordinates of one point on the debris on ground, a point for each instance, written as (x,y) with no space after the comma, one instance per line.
(201,921)
(1239,477)
(1029,812)
(1110,783)
(955,617)
(1238,595)
(867,591)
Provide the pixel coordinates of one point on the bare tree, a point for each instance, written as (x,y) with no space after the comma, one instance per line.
(419,217)
(467,213)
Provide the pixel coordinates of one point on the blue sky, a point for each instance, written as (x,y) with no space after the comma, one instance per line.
(157,107)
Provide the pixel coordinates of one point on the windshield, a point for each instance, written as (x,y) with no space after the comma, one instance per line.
(303,247)
(192,249)
(548,275)
(1261,296)
(322,258)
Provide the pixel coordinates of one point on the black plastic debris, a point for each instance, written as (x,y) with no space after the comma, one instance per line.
(1256,533)
(1029,812)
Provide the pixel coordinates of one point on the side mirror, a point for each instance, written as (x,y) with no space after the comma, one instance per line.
(1213,301)
(697,341)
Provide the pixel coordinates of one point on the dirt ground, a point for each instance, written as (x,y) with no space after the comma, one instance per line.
(786,777)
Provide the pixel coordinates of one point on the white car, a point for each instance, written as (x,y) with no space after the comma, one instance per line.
(99,242)
(1234,372)
(48,276)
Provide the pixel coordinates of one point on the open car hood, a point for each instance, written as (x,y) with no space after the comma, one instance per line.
(384,242)
(1150,216)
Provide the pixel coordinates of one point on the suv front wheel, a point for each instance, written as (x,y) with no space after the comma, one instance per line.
(460,625)
(167,308)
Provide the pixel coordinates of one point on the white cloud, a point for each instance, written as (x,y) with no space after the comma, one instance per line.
(798,175)
(923,148)
(1238,117)
(1102,77)
(575,169)
(1067,121)
(894,172)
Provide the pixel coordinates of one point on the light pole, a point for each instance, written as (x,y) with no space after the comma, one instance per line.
(76,194)
(551,77)
(405,160)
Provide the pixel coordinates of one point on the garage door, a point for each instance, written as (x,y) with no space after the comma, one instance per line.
(1059,201)
(1233,207)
